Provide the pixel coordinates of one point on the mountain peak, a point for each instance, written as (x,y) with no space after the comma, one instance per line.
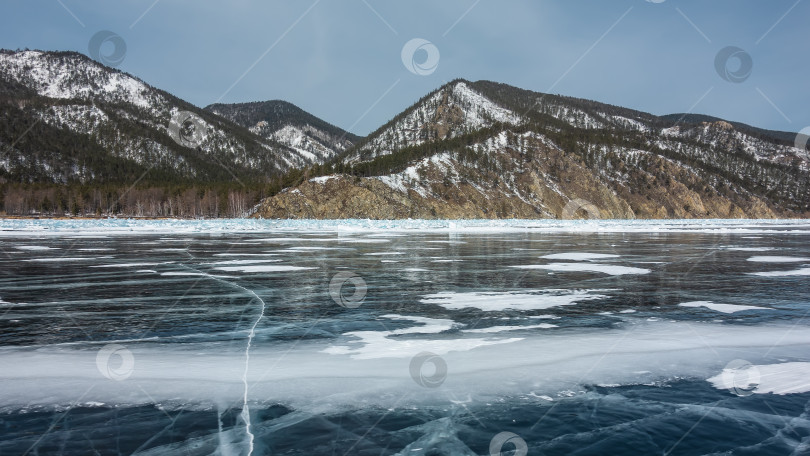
(289,125)
(452,110)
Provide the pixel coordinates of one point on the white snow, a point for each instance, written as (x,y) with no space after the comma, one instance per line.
(781,379)
(797,272)
(262,268)
(126,265)
(381,344)
(60,259)
(256,261)
(514,300)
(778,259)
(183,274)
(497,329)
(724,308)
(579,256)
(587,267)
(323,179)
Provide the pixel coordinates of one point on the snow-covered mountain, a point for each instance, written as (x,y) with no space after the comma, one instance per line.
(71,119)
(468,149)
(453,110)
(488,150)
(289,125)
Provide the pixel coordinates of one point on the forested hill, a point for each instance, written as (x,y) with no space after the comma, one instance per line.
(84,138)
(489,150)
(78,137)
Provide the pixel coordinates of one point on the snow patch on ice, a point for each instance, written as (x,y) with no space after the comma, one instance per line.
(579,256)
(497,329)
(609,269)
(777,259)
(513,300)
(262,268)
(781,379)
(797,272)
(385,344)
(724,308)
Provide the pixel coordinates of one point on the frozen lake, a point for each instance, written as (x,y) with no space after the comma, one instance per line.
(412,337)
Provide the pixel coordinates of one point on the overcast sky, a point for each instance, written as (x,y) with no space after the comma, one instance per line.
(342,59)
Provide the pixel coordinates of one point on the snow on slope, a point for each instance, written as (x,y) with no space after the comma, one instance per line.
(66,77)
(308,141)
(115,107)
(450,112)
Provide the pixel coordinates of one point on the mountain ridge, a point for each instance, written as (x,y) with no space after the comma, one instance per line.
(467,149)
(535,154)
(76,127)
(287,124)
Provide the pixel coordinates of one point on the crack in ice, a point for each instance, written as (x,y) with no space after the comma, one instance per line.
(245,408)
(245,414)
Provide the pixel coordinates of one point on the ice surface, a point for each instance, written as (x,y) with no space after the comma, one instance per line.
(725,308)
(372,366)
(514,300)
(587,267)
(111,227)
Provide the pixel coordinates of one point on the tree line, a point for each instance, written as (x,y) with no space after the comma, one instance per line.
(49,200)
